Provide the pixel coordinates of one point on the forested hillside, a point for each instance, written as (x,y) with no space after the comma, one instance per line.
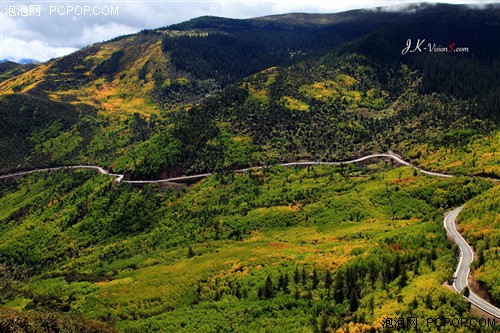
(10,69)
(266,90)
(315,249)
(311,248)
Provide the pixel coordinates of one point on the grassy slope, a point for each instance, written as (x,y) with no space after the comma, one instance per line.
(120,90)
(10,69)
(77,241)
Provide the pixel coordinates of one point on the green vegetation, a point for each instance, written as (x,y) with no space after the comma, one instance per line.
(179,99)
(308,248)
(316,249)
(23,116)
(10,69)
(468,154)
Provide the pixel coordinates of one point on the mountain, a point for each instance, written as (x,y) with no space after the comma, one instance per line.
(321,248)
(10,69)
(27,61)
(352,60)
(23,61)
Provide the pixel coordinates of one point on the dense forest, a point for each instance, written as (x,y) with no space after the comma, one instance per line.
(315,249)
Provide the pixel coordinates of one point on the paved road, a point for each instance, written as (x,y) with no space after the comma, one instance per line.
(463,268)
(92,167)
(119,177)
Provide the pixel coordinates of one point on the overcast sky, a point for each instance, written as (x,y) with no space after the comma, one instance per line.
(44,29)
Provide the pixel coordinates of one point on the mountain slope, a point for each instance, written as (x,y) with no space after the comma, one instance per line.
(332,246)
(479,224)
(30,120)
(312,249)
(10,69)
(335,68)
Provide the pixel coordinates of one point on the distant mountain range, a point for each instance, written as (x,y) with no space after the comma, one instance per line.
(21,61)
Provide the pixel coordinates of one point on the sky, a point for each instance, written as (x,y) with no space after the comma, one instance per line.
(45,29)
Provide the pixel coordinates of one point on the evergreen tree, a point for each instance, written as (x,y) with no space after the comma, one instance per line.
(466,292)
(353,301)
(190,253)
(315,279)
(324,322)
(404,279)
(296,275)
(268,290)
(328,279)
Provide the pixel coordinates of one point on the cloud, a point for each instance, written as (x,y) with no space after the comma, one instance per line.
(402,7)
(59,32)
(16,49)
(99,33)
(319,6)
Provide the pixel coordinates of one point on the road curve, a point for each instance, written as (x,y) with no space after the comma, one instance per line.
(466,257)
(99,169)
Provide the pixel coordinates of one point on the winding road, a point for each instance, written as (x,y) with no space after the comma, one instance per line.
(119,177)
(463,268)
(466,253)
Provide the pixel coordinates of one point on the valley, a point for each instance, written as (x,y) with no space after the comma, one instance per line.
(288,173)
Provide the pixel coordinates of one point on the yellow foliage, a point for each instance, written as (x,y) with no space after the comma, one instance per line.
(345,80)
(354,328)
(243,139)
(127,280)
(26,81)
(294,104)
(321,90)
